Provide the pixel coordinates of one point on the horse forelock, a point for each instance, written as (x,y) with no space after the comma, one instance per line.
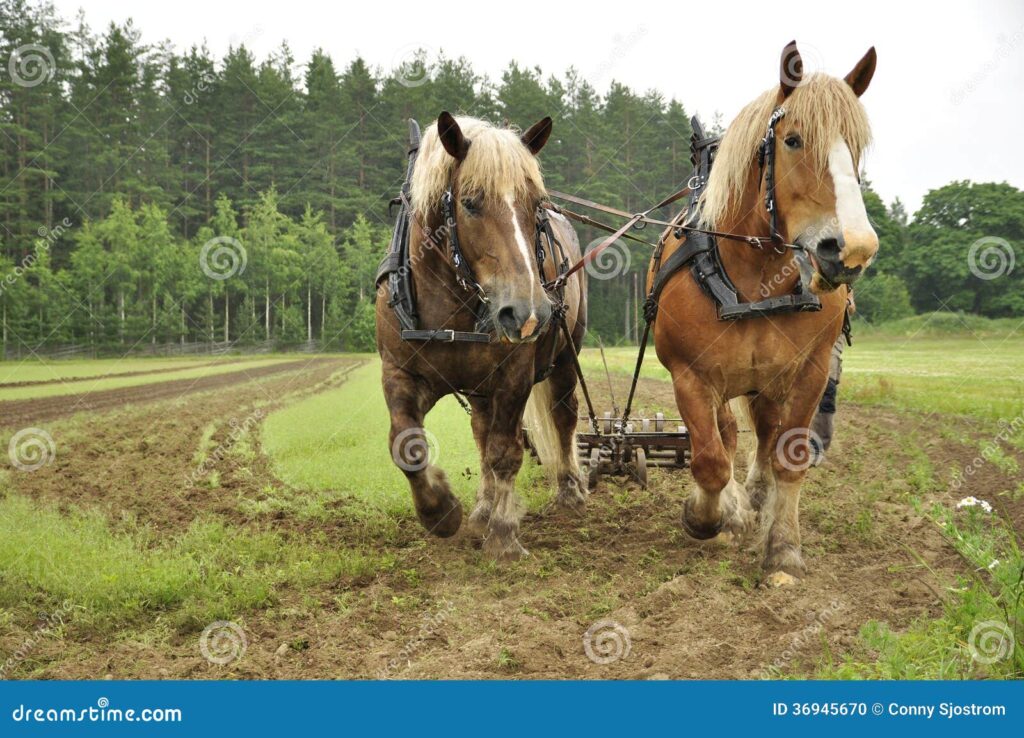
(497,165)
(824,107)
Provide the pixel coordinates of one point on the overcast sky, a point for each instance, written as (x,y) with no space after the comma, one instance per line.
(946,101)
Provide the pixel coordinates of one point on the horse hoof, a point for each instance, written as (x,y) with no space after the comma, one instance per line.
(781,579)
(444,520)
(571,498)
(698,531)
(479,519)
(504,549)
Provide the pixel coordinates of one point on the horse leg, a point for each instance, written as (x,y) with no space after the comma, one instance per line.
(738,517)
(791,457)
(703,516)
(564,409)
(502,459)
(765,417)
(408,401)
(481,422)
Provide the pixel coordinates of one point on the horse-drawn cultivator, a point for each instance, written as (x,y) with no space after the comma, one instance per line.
(629,446)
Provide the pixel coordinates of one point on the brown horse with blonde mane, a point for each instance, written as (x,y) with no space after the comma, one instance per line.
(774,368)
(482,253)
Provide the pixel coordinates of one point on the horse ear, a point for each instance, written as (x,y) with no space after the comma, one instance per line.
(860,76)
(791,69)
(451,136)
(535,138)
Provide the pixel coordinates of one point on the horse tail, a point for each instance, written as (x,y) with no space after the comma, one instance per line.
(540,424)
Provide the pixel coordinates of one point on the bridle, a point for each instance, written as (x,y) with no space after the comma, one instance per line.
(766,162)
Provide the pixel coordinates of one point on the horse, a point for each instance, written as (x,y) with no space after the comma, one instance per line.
(771,370)
(481,250)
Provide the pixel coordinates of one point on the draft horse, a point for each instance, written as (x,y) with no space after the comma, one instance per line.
(805,201)
(482,252)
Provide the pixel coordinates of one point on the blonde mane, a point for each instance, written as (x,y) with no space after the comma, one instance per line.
(496,164)
(824,107)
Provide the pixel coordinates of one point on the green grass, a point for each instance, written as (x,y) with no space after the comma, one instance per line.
(47,370)
(980,377)
(336,443)
(987,602)
(82,386)
(115,578)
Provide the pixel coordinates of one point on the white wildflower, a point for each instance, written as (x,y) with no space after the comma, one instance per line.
(974,502)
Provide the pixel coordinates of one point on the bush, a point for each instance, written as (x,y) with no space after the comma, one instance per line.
(883,297)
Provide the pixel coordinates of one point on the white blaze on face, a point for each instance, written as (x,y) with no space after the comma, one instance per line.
(850,210)
(524,249)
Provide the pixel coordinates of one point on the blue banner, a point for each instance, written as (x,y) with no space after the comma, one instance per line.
(522,709)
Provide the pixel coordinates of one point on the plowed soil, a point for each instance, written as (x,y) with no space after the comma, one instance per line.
(672,608)
(22,412)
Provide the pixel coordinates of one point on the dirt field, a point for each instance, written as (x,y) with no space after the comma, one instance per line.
(440,609)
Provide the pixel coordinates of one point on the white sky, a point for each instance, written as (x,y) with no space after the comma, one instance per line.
(946,101)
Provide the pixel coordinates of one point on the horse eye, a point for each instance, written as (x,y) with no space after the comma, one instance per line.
(472,206)
(793,141)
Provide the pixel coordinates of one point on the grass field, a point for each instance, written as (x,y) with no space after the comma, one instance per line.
(48,370)
(980,377)
(336,443)
(300,529)
(182,369)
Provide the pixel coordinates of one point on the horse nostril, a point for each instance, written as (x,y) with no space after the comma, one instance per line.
(507,318)
(828,249)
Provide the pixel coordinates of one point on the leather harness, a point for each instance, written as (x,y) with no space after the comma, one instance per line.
(701,252)
(396,267)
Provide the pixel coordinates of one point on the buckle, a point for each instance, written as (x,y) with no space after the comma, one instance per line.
(447,335)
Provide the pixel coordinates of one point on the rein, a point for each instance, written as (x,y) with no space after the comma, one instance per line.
(637,221)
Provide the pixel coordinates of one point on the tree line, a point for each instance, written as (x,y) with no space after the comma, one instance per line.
(131,171)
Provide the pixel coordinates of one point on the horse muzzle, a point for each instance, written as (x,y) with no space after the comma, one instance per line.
(521,321)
